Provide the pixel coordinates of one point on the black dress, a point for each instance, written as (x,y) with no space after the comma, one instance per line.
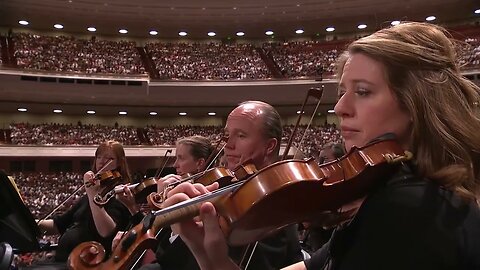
(407,223)
(77,226)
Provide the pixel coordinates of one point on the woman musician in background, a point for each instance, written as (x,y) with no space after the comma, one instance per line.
(86,221)
(192,153)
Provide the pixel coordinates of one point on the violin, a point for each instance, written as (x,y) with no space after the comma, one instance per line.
(108,181)
(251,209)
(107,175)
(139,190)
(221,175)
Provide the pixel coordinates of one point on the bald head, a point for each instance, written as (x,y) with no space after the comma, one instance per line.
(263,114)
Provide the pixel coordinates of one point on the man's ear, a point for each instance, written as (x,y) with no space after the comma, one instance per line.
(271,145)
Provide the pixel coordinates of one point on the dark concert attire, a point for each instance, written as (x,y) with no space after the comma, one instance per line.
(77,226)
(274,252)
(406,223)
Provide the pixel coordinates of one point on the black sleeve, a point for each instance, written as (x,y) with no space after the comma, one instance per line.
(274,252)
(62,222)
(137,218)
(319,258)
(402,227)
(119,213)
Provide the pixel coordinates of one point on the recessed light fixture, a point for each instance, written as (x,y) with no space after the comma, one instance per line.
(330,29)
(477,11)
(23,22)
(299,31)
(57,111)
(240,34)
(362,26)
(269,33)
(212,113)
(92,29)
(153,33)
(122,113)
(182,33)
(300,112)
(58,26)
(123,31)
(211,34)
(153,113)
(22,109)
(182,113)
(331,111)
(90,112)
(395,23)
(430,18)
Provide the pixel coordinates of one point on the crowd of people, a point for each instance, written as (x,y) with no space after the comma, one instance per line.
(71,134)
(190,61)
(302,59)
(167,136)
(470,56)
(68,54)
(42,192)
(63,134)
(212,61)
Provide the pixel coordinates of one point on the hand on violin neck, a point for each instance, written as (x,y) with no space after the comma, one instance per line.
(89,180)
(167,180)
(126,198)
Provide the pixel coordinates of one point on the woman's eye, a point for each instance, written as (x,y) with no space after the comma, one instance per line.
(362,92)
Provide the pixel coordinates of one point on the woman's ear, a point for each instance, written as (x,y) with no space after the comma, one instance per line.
(200,164)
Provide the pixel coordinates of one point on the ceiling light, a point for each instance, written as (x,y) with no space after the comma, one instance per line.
(298,112)
(22,109)
(92,29)
(122,113)
(123,31)
(90,112)
(153,33)
(182,33)
(269,33)
(331,111)
(240,34)
(430,18)
(182,113)
(330,29)
(395,23)
(362,26)
(299,31)
(477,11)
(211,113)
(153,113)
(57,111)
(23,22)
(211,34)
(58,26)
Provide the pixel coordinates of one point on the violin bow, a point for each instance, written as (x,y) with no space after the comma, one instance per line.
(312,92)
(159,171)
(71,195)
(316,92)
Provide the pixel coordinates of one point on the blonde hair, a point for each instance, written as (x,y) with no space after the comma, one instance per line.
(421,69)
(119,153)
(200,147)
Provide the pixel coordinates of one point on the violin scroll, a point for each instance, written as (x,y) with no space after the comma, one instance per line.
(87,255)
